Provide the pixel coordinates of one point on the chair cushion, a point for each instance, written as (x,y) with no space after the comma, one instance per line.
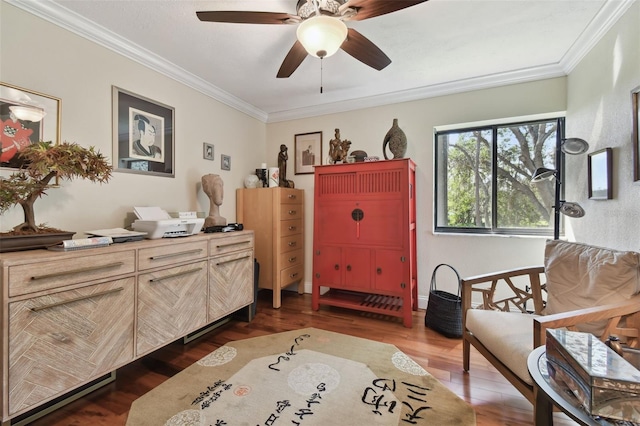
(507,335)
(582,276)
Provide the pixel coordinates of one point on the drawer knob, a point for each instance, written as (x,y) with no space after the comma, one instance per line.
(292,196)
(292,228)
(292,259)
(293,275)
(292,244)
(292,212)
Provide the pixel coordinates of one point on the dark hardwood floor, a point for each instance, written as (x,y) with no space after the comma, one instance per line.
(495,401)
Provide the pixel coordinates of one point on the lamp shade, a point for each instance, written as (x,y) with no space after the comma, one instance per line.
(542,173)
(574,146)
(27,113)
(571,209)
(322,35)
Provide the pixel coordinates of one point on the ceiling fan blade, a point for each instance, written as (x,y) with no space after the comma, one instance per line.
(364,50)
(372,8)
(241,17)
(292,61)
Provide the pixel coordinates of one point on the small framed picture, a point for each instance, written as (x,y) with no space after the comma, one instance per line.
(225,162)
(600,175)
(308,152)
(207,151)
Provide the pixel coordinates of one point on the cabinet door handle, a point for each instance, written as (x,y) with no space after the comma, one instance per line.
(232,260)
(231,244)
(291,243)
(77,299)
(77,271)
(292,212)
(182,253)
(179,274)
(349,268)
(379,271)
(336,267)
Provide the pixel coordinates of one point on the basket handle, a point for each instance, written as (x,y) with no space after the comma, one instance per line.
(433,278)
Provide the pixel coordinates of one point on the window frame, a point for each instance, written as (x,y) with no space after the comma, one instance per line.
(493,127)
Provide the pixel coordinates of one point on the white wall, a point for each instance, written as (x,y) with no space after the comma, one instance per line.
(366,129)
(44,58)
(599,110)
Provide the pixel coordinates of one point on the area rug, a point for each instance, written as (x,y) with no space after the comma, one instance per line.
(304,377)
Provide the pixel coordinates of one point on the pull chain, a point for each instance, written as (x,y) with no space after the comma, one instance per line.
(321,75)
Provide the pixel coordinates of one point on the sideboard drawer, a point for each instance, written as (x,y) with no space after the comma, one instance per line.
(230,243)
(171,254)
(24,279)
(290,211)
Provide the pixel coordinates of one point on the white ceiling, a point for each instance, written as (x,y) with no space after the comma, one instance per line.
(437,47)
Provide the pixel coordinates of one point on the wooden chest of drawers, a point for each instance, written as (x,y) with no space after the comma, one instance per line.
(276,215)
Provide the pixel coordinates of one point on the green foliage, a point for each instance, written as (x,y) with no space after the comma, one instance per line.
(43,162)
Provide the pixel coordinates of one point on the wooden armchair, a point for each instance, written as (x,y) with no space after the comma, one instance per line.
(510,315)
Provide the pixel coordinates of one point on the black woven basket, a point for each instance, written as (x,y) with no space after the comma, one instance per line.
(444,310)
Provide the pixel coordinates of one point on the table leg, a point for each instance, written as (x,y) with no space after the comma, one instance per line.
(542,409)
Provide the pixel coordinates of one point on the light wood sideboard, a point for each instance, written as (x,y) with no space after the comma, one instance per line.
(277,217)
(71,317)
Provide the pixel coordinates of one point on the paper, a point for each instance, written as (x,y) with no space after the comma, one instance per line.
(151,213)
(115,233)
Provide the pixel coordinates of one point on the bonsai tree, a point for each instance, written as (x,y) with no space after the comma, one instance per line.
(43,162)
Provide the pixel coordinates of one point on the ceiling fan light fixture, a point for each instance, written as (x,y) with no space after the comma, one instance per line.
(322,35)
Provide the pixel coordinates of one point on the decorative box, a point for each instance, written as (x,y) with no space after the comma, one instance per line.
(605,383)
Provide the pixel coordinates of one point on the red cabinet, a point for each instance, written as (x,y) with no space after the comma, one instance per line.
(364,237)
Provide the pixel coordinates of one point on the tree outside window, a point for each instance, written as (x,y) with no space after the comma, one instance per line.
(483,178)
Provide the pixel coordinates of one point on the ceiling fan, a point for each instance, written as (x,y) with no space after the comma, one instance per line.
(321,28)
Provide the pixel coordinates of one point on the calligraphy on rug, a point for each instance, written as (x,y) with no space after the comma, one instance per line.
(305,377)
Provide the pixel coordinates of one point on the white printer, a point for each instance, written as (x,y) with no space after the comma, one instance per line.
(157,223)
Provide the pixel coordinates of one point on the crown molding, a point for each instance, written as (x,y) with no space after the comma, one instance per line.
(71,21)
(604,20)
(65,18)
(441,89)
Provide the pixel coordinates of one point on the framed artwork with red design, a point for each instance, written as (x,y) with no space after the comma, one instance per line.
(27,117)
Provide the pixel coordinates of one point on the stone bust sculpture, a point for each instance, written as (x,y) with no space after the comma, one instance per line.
(212,185)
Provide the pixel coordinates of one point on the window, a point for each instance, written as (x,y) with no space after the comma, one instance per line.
(482,178)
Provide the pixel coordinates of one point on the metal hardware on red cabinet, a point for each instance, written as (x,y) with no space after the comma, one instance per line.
(317,252)
(317,274)
(403,285)
(336,267)
(403,259)
(379,271)
(349,268)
